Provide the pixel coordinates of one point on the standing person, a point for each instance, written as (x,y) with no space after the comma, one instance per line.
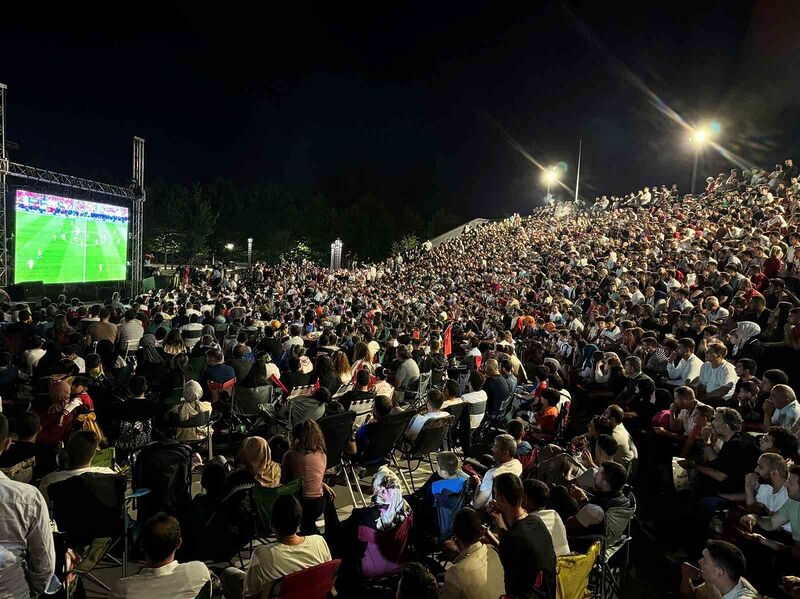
(307,460)
(526,550)
(29,557)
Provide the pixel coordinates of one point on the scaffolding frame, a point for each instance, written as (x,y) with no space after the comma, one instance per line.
(135,194)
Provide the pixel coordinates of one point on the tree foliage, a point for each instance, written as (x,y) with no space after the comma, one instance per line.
(372,215)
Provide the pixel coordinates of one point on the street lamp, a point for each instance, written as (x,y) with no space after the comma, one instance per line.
(550,176)
(699,138)
(229,246)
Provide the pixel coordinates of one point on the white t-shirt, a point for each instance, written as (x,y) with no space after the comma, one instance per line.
(273,561)
(484,492)
(476,397)
(172,581)
(773,501)
(558,531)
(787,416)
(419,421)
(714,378)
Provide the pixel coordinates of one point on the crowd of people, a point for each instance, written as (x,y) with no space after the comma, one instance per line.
(585,364)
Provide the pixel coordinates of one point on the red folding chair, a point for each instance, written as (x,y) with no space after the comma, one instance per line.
(310,583)
(215,389)
(386,549)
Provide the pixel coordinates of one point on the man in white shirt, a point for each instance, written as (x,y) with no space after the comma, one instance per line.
(33,355)
(627,450)
(81,448)
(717,379)
(637,297)
(433,405)
(721,567)
(25,535)
(537,497)
(765,489)
(192,332)
(503,451)
(163,577)
(688,366)
(294,338)
(290,553)
(782,408)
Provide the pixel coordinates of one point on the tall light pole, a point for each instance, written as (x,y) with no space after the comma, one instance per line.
(550,176)
(250,251)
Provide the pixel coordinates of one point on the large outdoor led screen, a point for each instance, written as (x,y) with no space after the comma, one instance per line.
(64,240)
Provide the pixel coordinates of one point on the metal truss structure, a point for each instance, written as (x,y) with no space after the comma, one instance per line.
(135,194)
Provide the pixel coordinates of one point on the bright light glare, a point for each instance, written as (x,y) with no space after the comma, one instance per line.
(550,176)
(228,246)
(703,134)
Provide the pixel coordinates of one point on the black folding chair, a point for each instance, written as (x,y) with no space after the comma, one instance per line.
(430,438)
(456,410)
(337,430)
(380,451)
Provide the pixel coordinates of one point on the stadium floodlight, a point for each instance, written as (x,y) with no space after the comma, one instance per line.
(550,176)
(699,137)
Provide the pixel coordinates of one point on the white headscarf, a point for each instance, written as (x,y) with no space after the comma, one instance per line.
(192,391)
(745,331)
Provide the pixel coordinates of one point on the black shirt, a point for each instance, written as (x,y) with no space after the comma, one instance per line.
(737,459)
(528,558)
(497,391)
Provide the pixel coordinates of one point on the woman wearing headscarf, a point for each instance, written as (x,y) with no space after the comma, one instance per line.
(68,399)
(191,406)
(236,520)
(387,510)
(745,341)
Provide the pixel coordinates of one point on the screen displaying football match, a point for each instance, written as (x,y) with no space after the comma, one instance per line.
(64,240)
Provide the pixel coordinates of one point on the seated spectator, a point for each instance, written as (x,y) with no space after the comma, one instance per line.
(416,582)
(191,405)
(496,387)
(526,548)
(203,346)
(163,577)
(627,450)
(637,396)
(290,553)
(782,409)
(360,392)
(788,513)
(779,440)
(241,365)
(433,404)
(69,399)
(717,379)
(368,432)
(295,377)
(34,354)
(198,542)
(722,569)
(726,469)
(609,481)
(300,408)
(29,557)
(387,510)
(516,428)
(536,501)
(450,391)
(81,447)
(25,447)
(217,371)
(307,459)
(684,365)
(476,572)
(503,451)
(475,400)
(605,448)
(765,489)
(546,421)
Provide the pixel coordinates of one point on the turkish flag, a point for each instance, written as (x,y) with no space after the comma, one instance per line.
(448,340)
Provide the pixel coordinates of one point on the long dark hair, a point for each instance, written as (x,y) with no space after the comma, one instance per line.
(309,437)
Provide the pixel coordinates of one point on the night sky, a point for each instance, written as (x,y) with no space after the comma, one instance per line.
(294,95)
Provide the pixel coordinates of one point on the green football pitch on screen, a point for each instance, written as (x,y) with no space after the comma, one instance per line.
(57,248)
